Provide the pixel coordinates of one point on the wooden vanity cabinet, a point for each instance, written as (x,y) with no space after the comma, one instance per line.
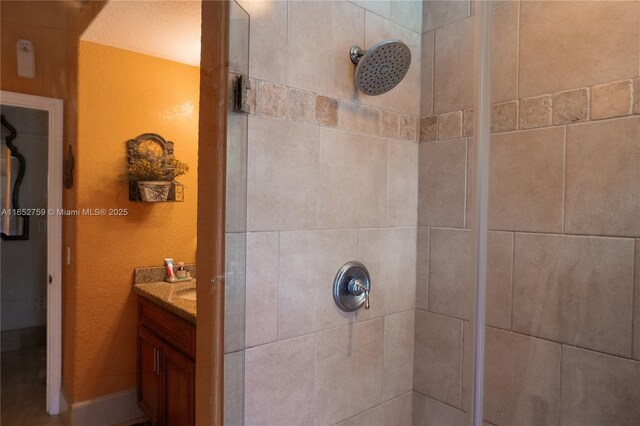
(166,365)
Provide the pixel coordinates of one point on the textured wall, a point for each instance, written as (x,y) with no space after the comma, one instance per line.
(564,216)
(121,95)
(332,177)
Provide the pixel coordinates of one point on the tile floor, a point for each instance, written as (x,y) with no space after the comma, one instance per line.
(23,391)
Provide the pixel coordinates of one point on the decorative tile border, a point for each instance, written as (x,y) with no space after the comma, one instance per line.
(281,102)
(600,102)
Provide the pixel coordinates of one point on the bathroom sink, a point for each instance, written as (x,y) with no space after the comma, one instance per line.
(187,293)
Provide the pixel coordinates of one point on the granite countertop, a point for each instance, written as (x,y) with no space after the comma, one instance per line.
(164,294)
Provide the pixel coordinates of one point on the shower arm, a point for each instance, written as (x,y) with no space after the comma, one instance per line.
(356,53)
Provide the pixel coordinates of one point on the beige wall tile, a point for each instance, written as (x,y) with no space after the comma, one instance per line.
(441,193)
(611,100)
(262,288)
(309,261)
(429,129)
(571,106)
(390,256)
(234,296)
(454,74)
(527,172)
(236,174)
(381,7)
(394,412)
(598,388)
(504,53)
(349,361)
(435,413)
(301,105)
(234,388)
(278,381)
(422,268)
(437,14)
(324,66)
(451,285)
(450,125)
(535,112)
(418,403)
(364,186)
(267,40)
(388,124)
(636,96)
(603,178)
(358,118)
(437,359)
(397,377)
(326,111)
(613,33)
(402,197)
(450,276)
(271,99)
(426,71)
(407,128)
(522,379)
(636,327)
(405,97)
(504,117)
(282,178)
(575,290)
(408,14)
(468,122)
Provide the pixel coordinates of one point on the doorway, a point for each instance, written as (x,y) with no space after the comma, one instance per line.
(30,250)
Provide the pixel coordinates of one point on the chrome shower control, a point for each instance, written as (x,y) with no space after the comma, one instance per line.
(351,287)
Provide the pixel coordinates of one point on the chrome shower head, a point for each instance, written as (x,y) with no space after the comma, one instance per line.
(382,67)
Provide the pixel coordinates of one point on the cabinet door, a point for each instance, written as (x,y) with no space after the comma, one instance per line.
(179,405)
(150,375)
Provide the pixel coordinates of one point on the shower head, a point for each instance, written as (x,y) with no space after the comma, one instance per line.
(382,67)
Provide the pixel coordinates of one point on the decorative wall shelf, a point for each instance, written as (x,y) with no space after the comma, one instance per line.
(153,143)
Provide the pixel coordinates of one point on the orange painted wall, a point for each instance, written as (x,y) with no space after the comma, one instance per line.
(54,28)
(122,94)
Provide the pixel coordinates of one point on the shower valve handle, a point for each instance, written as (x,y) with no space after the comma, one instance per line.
(357,287)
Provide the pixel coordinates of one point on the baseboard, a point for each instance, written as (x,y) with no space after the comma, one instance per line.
(107,410)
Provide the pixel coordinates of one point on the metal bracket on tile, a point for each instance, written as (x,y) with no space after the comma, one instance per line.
(242,89)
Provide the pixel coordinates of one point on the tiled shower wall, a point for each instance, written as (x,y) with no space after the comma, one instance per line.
(332,177)
(564,253)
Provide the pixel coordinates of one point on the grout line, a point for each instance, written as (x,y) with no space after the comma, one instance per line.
(564,181)
(560,383)
(320,137)
(513,266)
(386,201)
(286,53)
(548,233)
(519,6)
(433,73)
(634,299)
(466,183)
(428,268)
(278,299)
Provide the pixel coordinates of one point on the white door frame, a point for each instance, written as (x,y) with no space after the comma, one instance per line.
(54,237)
